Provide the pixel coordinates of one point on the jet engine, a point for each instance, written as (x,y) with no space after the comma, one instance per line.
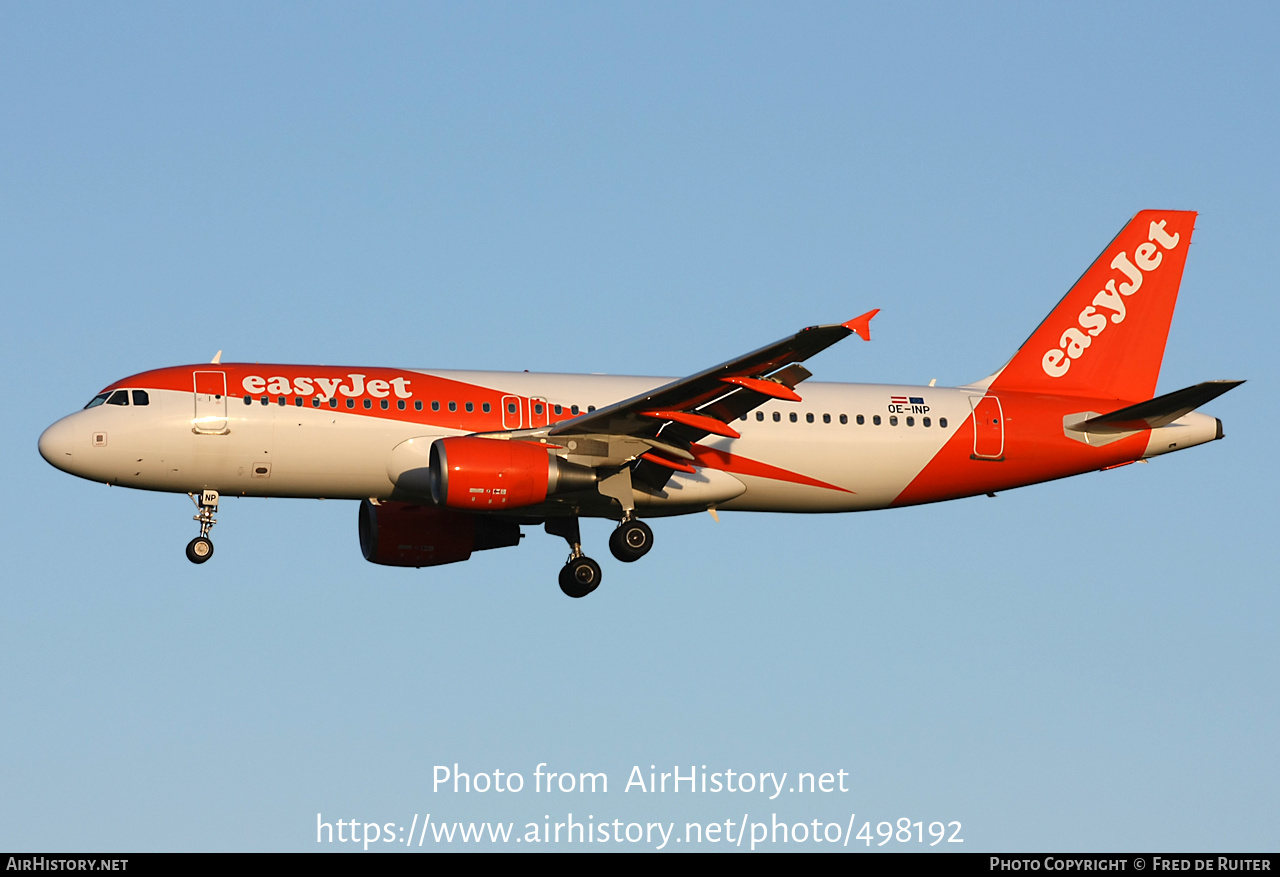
(489,474)
(403,534)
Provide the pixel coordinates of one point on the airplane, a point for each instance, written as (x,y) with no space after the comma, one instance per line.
(446,463)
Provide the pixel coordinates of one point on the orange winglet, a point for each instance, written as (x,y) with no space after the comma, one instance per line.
(772,389)
(697,421)
(667,462)
(862,324)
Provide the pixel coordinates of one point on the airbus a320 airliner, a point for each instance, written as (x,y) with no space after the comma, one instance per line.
(445,463)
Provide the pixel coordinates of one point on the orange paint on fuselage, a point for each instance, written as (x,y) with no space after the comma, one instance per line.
(1036,449)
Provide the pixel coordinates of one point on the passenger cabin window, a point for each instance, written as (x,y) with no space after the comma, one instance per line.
(844,419)
(861,420)
(927,422)
(401,406)
(893,420)
(777,416)
(435,406)
(453,406)
(351,403)
(97,400)
(511,407)
(808,418)
(759,415)
(368,403)
(119,397)
(942,422)
(417,405)
(875,419)
(140,397)
(471,407)
(486,408)
(386,404)
(911,421)
(826,418)
(573,409)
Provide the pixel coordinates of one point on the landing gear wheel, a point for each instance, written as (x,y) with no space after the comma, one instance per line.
(580,577)
(199,549)
(631,541)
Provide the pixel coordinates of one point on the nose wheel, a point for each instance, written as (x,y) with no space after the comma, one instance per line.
(200,548)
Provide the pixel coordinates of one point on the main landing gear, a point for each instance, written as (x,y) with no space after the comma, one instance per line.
(631,541)
(200,548)
(581,575)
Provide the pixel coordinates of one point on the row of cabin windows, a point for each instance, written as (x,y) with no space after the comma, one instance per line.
(844,418)
(384,404)
(139,397)
(316,402)
(120,397)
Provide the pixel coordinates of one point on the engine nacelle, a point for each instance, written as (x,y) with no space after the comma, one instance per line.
(402,534)
(489,474)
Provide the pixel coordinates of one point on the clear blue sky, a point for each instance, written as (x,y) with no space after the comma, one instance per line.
(653,188)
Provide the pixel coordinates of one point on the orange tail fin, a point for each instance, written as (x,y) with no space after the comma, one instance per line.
(1106,337)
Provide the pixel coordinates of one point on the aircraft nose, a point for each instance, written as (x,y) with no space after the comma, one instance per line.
(56,445)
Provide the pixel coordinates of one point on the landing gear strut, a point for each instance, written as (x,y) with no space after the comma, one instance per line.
(631,541)
(580,575)
(200,548)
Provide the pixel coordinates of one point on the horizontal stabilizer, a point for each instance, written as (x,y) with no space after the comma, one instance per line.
(1160,411)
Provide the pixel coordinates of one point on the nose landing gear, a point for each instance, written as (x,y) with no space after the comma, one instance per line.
(200,548)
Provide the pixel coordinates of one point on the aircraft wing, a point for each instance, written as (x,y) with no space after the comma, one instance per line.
(705,403)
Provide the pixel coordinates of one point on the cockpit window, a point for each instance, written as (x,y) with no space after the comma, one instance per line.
(140,397)
(97,400)
(119,397)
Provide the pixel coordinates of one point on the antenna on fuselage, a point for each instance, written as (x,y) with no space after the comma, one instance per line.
(217,358)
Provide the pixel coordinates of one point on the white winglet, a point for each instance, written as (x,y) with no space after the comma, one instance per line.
(217,358)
